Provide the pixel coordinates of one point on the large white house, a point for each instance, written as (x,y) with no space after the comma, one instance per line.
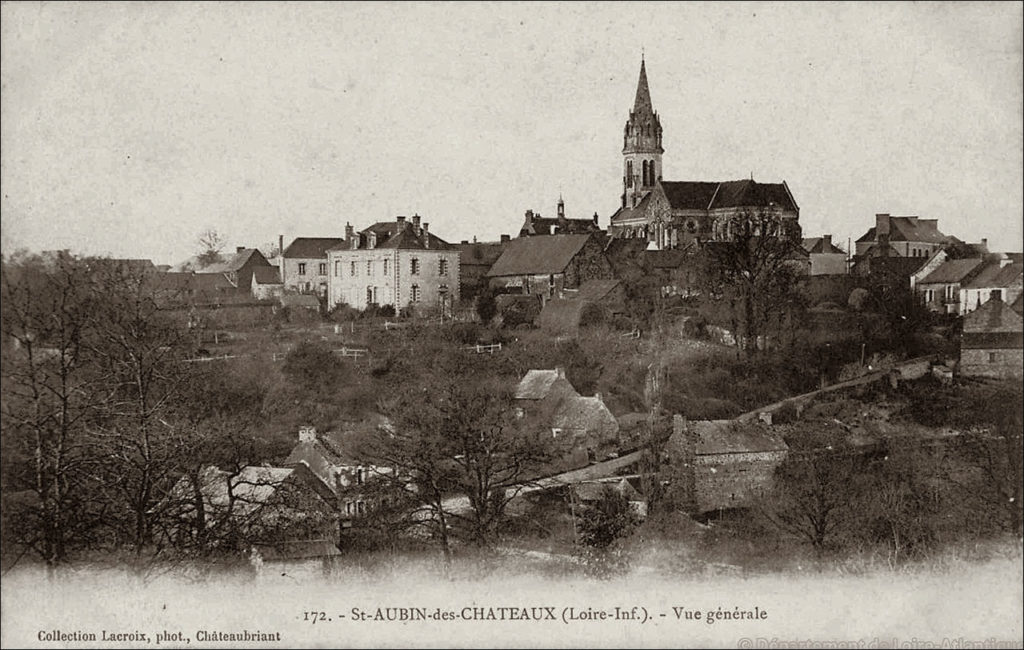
(398,263)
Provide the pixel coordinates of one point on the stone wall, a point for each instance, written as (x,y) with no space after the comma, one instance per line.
(1002,363)
(734,480)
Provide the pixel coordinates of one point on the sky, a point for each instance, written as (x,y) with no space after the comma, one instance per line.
(128,129)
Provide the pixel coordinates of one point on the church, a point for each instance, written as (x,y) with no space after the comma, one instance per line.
(674,214)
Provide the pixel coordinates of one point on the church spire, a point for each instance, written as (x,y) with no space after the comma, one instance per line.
(642,103)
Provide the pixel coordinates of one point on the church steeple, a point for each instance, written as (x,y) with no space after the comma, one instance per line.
(641,145)
(642,103)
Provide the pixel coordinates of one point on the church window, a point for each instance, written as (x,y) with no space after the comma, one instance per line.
(629,173)
(644,174)
(654,178)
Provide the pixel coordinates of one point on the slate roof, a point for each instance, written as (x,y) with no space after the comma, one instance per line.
(389,235)
(536,384)
(237,261)
(993,316)
(910,229)
(576,412)
(266,275)
(995,276)
(298,550)
(251,489)
(543,254)
(595,290)
(716,437)
(549,225)
(311,247)
(638,212)
(816,245)
(477,253)
(951,271)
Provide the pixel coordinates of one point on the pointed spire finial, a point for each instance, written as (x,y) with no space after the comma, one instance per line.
(643,92)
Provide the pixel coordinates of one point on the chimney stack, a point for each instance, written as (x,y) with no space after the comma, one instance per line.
(307,434)
(349,230)
(426,235)
(280,257)
(239,249)
(400,222)
(595,218)
(505,239)
(416,223)
(529,218)
(826,242)
(561,209)
(560,372)
(881,225)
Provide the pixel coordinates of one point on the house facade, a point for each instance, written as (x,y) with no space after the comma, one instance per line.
(582,426)
(896,236)
(939,290)
(396,263)
(304,264)
(546,265)
(825,257)
(239,269)
(266,283)
(1002,278)
(723,464)
(993,341)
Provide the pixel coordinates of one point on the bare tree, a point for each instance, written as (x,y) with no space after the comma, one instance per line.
(211,243)
(462,451)
(50,393)
(750,271)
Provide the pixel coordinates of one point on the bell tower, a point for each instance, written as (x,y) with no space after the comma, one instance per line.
(641,145)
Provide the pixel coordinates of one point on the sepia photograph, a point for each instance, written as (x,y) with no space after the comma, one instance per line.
(511,324)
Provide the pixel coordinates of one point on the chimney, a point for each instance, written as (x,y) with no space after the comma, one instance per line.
(881,225)
(474,239)
(307,434)
(826,243)
(349,230)
(997,295)
(400,223)
(561,209)
(598,396)
(239,249)
(280,257)
(882,234)
(426,235)
(529,218)
(416,223)
(595,218)
(560,372)
(505,239)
